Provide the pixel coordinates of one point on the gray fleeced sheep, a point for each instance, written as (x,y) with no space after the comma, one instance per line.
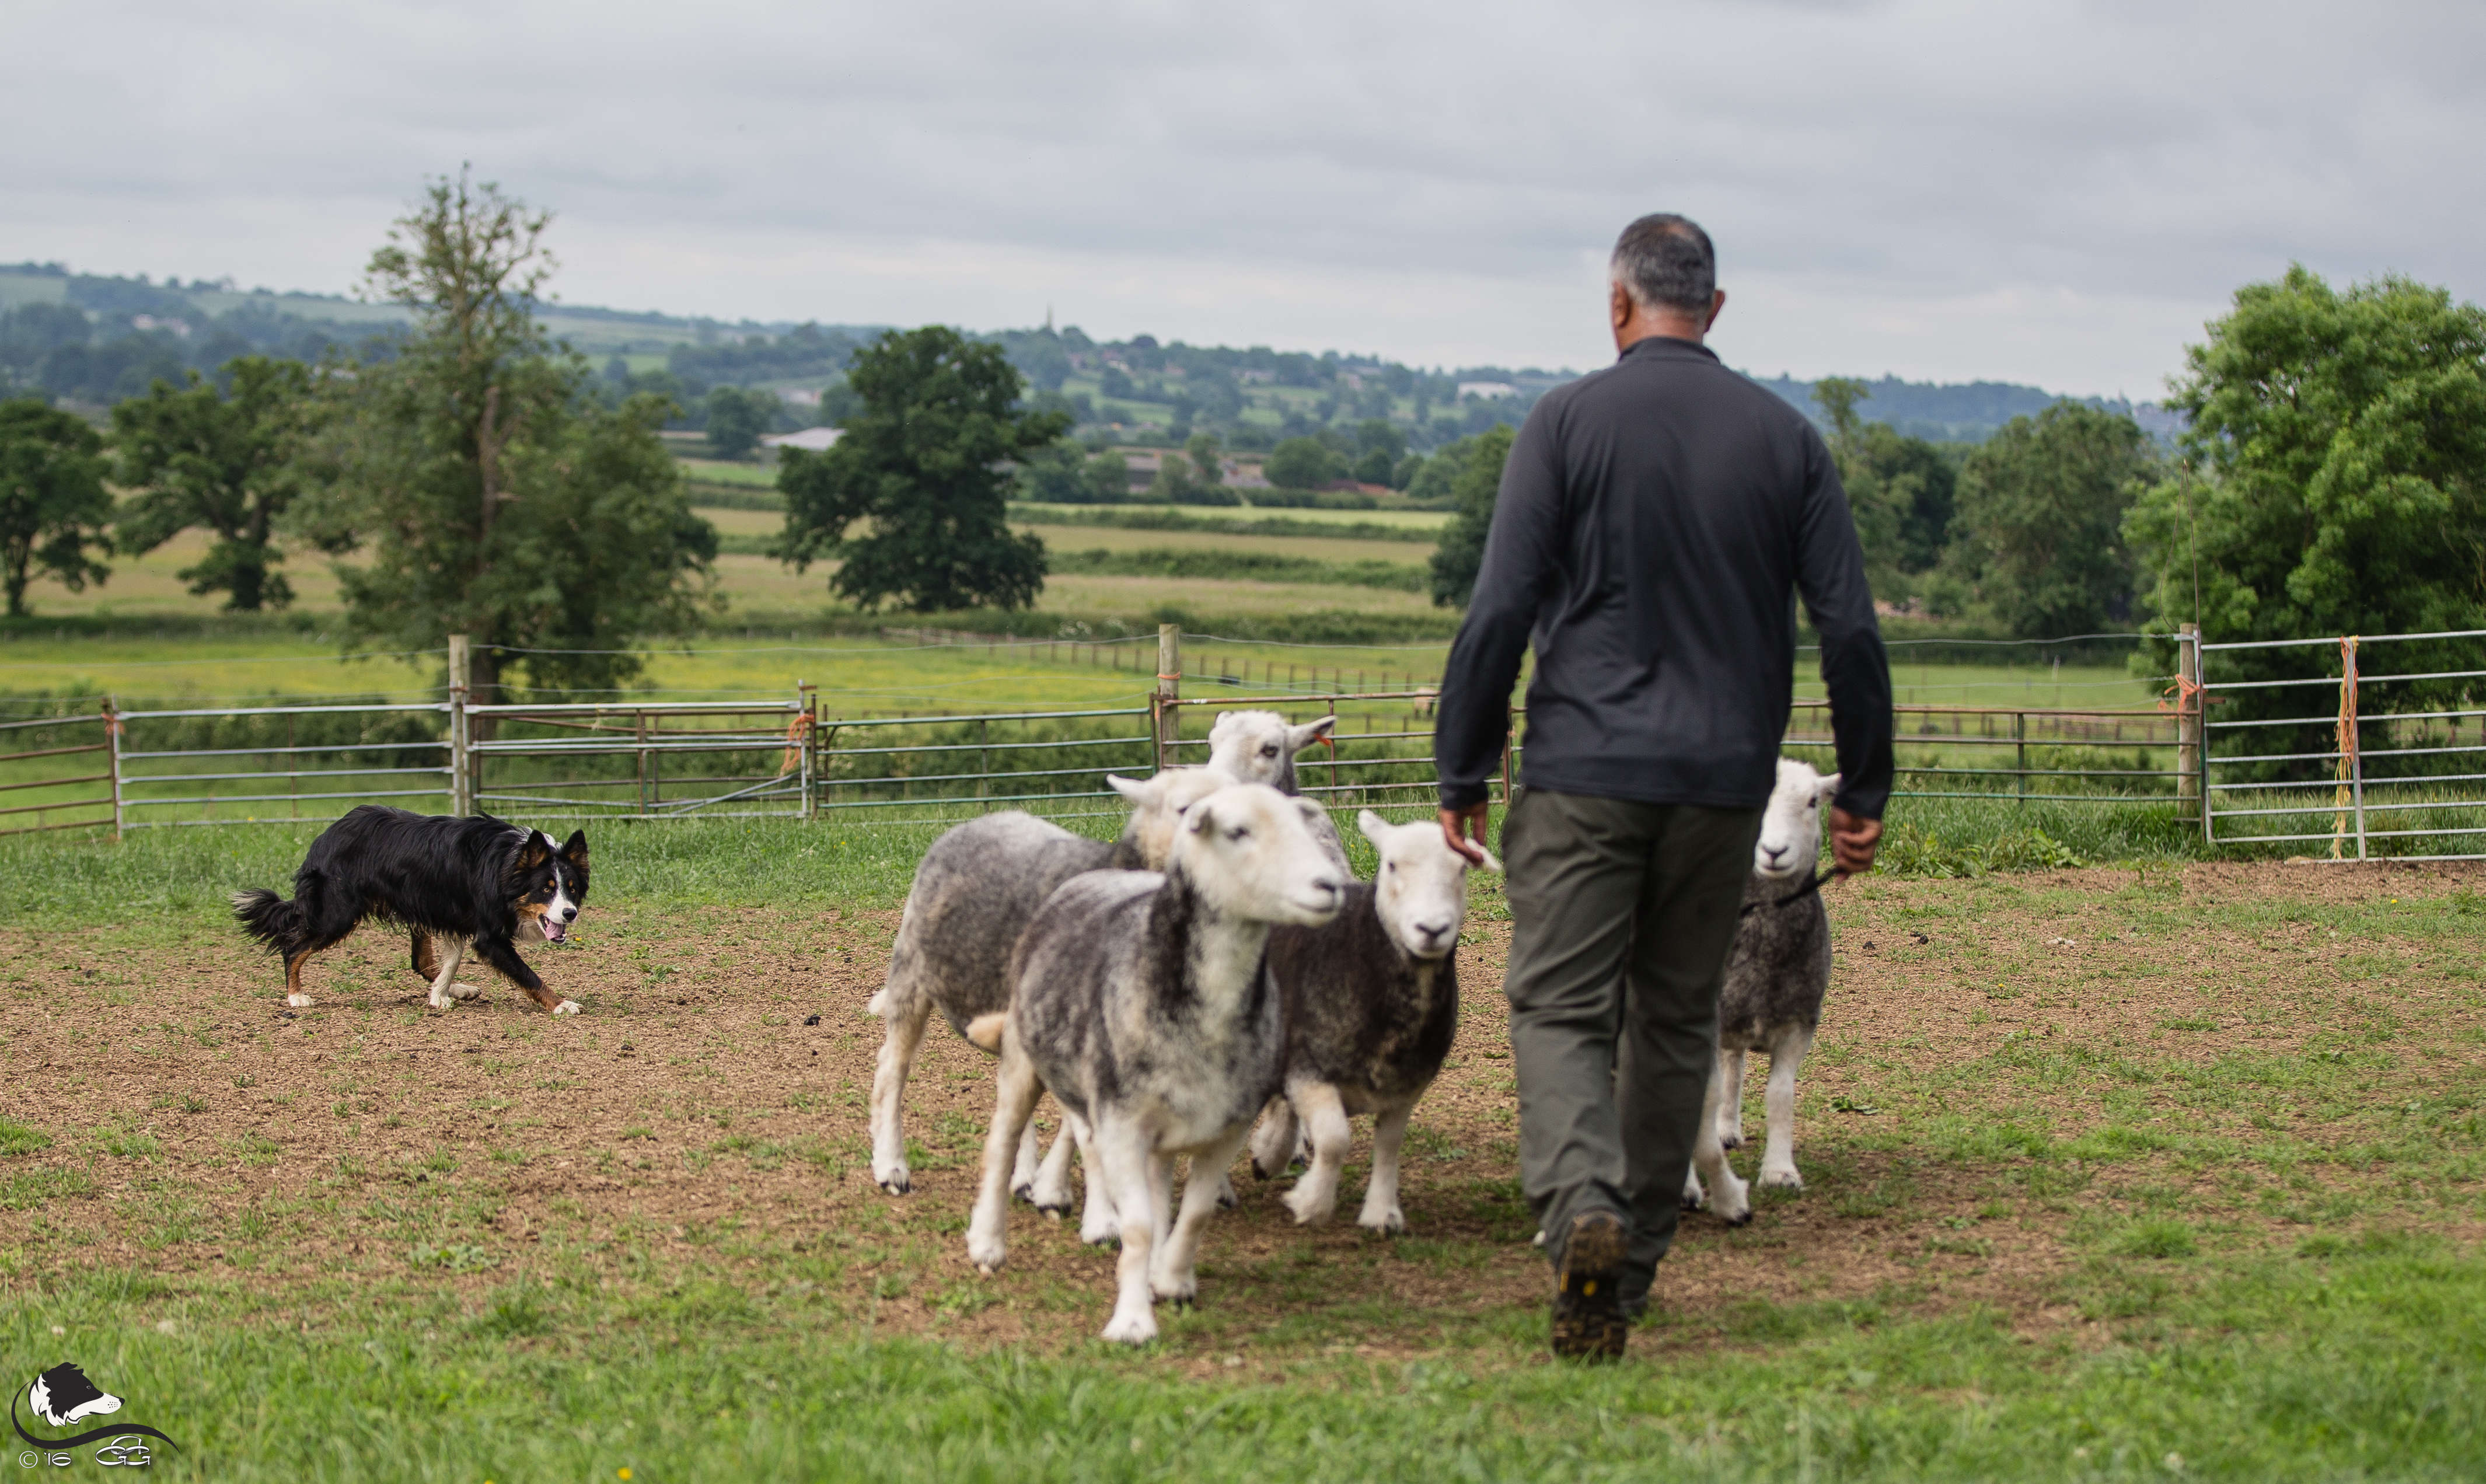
(1260,747)
(1144,1002)
(1373,1004)
(974,890)
(1777,974)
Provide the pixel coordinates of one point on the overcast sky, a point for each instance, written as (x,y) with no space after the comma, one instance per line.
(2050,193)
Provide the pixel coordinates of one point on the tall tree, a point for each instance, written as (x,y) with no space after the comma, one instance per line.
(224,463)
(1301,463)
(923,471)
(2332,480)
(53,506)
(494,493)
(1207,463)
(1475,486)
(736,420)
(2041,508)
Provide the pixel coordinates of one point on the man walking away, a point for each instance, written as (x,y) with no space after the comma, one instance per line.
(1654,522)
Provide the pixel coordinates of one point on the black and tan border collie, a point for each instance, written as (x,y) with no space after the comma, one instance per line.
(455,884)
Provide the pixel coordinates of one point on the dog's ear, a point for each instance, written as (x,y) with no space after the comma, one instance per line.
(574,849)
(536,851)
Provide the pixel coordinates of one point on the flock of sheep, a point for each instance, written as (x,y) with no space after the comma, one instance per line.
(1219,964)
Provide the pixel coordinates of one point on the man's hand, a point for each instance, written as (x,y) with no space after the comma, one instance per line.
(1464,829)
(1852,840)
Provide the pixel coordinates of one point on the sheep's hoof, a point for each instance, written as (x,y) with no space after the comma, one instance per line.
(299,1001)
(1110,1241)
(1226,1199)
(898,1182)
(1693,1201)
(1026,1192)
(1732,1138)
(1055,1206)
(1388,1223)
(1744,1220)
(1781,1180)
(1132,1328)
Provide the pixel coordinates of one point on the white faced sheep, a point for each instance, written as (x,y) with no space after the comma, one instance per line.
(1372,1002)
(974,891)
(1771,1000)
(1144,1004)
(1260,747)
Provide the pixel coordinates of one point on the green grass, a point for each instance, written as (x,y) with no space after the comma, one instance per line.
(1256,567)
(1419,526)
(2357,1364)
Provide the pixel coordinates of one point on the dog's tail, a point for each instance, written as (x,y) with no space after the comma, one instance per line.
(275,922)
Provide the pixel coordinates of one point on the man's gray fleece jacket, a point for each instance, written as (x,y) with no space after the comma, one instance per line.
(1655,521)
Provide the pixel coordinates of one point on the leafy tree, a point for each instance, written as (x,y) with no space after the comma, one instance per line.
(495,494)
(2333,481)
(53,506)
(1478,483)
(1379,446)
(922,469)
(2041,508)
(1301,463)
(1435,482)
(1208,465)
(1899,489)
(1055,474)
(837,403)
(225,463)
(1175,482)
(1113,381)
(1109,477)
(736,420)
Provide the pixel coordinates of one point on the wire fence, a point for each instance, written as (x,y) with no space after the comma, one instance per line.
(2349,749)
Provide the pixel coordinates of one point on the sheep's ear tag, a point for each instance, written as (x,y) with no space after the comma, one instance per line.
(1300,737)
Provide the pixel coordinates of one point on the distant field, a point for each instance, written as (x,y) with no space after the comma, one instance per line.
(1413,520)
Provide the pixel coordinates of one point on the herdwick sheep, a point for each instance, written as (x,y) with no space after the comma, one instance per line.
(974,891)
(1372,1001)
(1260,747)
(1144,1004)
(1771,1000)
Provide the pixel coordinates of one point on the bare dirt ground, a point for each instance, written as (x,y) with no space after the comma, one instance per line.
(692,1122)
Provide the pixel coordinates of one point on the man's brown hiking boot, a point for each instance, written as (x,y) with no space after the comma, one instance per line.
(1588,1319)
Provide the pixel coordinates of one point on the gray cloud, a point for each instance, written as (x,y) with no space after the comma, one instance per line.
(2050,192)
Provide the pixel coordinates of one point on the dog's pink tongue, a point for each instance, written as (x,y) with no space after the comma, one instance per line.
(554,931)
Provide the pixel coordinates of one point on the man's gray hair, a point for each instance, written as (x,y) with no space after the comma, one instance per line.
(1664,261)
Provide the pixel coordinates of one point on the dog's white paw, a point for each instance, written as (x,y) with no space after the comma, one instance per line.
(298,1002)
(463,991)
(440,1002)
(1390,1221)
(1307,1206)
(567,1008)
(1099,1230)
(1132,1328)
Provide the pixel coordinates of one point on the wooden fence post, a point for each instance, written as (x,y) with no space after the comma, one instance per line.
(461,773)
(1169,690)
(2188,720)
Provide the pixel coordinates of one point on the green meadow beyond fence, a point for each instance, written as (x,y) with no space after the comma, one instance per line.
(2385,771)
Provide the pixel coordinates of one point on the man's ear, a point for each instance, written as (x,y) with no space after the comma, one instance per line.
(574,849)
